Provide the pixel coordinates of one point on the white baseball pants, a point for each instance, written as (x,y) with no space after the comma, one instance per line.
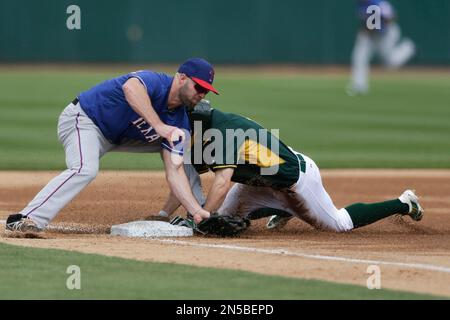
(307,200)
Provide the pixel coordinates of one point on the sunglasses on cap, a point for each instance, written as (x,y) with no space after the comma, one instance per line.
(199,88)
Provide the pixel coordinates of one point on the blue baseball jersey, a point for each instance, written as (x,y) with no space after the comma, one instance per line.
(106,105)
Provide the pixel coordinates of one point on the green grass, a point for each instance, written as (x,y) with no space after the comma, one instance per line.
(403,123)
(30,273)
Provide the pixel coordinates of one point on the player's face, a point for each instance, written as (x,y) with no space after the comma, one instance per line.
(191,93)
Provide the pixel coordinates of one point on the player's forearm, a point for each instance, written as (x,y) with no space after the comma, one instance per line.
(181,189)
(137,97)
(172,204)
(179,184)
(217,195)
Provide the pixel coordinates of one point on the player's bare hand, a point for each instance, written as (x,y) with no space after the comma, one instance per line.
(200,215)
(171,134)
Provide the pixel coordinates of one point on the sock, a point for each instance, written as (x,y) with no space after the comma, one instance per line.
(363,214)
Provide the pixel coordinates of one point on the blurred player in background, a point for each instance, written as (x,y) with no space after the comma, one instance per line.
(384,40)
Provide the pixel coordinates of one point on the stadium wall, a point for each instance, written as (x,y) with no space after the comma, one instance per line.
(233,31)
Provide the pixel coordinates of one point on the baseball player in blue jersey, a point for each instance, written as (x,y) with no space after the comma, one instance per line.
(385,41)
(142,111)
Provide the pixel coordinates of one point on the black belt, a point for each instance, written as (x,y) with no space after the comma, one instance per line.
(302,162)
(75,101)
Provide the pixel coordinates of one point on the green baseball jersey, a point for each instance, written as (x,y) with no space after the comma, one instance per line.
(229,140)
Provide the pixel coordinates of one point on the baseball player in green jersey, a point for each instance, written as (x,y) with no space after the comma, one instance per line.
(272,178)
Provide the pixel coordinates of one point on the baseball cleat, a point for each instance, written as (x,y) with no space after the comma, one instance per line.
(17,222)
(277,222)
(415,209)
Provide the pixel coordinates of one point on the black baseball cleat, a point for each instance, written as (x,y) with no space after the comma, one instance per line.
(17,222)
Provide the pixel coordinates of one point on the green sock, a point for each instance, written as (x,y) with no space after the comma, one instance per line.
(363,214)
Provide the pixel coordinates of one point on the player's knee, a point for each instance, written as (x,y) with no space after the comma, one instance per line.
(89,172)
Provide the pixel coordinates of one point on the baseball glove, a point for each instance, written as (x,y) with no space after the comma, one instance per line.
(223,226)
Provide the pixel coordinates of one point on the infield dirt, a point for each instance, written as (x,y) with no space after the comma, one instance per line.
(123,196)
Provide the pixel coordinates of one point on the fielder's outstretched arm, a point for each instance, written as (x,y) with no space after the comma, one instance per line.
(179,184)
(137,97)
(219,189)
